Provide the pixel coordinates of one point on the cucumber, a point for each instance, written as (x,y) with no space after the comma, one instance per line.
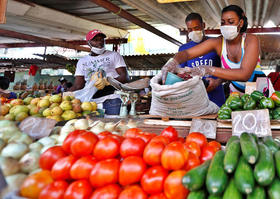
(232,156)
(231,139)
(271,144)
(195,178)
(264,171)
(249,148)
(277,162)
(244,177)
(274,189)
(201,194)
(216,179)
(255,137)
(258,193)
(231,191)
(214,197)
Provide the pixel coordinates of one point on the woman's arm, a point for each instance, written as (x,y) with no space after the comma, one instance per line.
(248,63)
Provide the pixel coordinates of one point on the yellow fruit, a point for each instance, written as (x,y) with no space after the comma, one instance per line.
(47,112)
(94,106)
(55,117)
(66,105)
(87,106)
(4,110)
(35,101)
(55,99)
(54,105)
(15,102)
(21,116)
(56,111)
(44,103)
(68,115)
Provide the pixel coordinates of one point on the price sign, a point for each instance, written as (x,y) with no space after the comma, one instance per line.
(255,121)
(207,127)
(250,87)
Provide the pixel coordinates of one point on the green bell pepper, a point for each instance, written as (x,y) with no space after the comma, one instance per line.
(270,114)
(267,102)
(250,104)
(276,113)
(224,117)
(257,95)
(224,113)
(245,98)
(276,98)
(236,103)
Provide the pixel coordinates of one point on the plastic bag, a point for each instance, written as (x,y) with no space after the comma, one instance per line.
(87,92)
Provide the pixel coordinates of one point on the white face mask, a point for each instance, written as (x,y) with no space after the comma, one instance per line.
(97,51)
(229,32)
(196,36)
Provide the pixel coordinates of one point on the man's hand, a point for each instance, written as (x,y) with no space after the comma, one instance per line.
(100,82)
(170,66)
(213,83)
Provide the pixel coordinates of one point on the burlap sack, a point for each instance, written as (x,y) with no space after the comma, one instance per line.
(187,98)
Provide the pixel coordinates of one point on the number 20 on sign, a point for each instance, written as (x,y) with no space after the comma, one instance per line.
(255,121)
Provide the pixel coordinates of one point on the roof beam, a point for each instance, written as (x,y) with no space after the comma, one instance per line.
(3,7)
(124,14)
(8,33)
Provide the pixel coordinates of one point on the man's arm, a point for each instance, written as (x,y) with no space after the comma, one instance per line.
(123,76)
(78,84)
(213,83)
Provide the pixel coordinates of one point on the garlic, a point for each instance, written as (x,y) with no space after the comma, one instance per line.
(47,141)
(70,122)
(110,126)
(9,165)
(14,150)
(29,162)
(45,148)
(7,134)
(67,129)
(21,138)
(36,146)
(81,124)
(16,180)
(98,128)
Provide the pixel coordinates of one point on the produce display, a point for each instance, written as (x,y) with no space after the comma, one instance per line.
(248,168)
(54,107)
(256,100)
(96,163)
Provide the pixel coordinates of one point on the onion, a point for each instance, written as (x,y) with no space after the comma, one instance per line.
(70,122)
(14,150)
(131,124)
(36,146)
(81,124)
(6,135)
(9,165)
(15,181)
(45,148)
(23,138)
(2,144)
(67,129)
(61,138)
(29,162)
(55,130)
(98,128)
(55,137)
(110,126)
(47,141)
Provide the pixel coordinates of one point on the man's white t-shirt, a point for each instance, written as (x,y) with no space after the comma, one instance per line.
(108,61)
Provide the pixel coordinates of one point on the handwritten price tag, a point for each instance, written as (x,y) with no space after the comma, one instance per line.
(207,127)
(255,121)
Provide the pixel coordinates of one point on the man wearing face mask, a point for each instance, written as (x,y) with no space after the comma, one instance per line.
(239,53)
(195,27)
(100,59)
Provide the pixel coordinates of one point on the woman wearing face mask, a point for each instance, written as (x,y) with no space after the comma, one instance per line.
(195,27)
(239,52)
(101,60)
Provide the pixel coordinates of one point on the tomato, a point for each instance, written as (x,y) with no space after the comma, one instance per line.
(193,147)
(152,153)
(207,153)
(78,189)
(146,136)
(69,139)
(153,179)
(174,156)
(216,145)
(105,172)
(84,144)
(50,156)
(131,170)
(160,138)
(173,187)
(103,134)
(158,196)
(193,161)
(132,132)
(111,191)
(108,147)
(132,147)
(197,137)
(55,190)
(133,192)
(35,183)
(82,167)
(170,133)
(117,137)
(61,169)
(180,139)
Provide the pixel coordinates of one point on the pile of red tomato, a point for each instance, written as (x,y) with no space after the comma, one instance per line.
(137,165)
